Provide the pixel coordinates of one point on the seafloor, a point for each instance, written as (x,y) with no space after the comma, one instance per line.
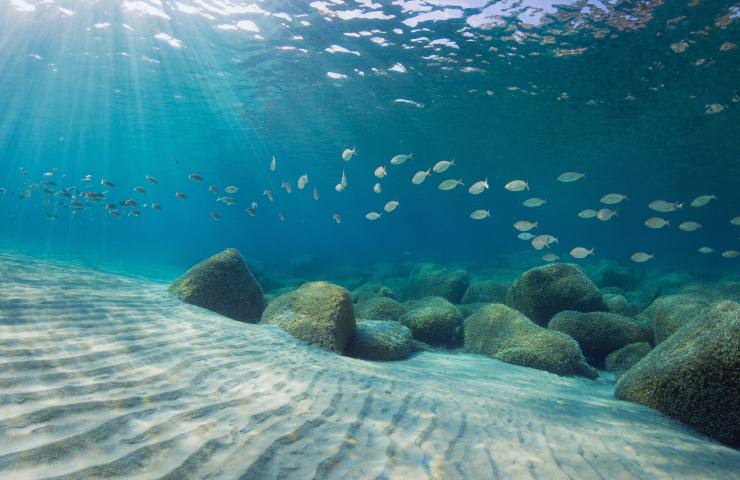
(104,376)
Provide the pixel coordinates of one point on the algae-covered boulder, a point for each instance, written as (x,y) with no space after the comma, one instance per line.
(429,280)
(379,308)
(467,309)
(617,303)
(694,375)
(380,340)
(541,292)
(599,333)
(622,360)
(485,291)
(434,320)
(505,334)
(318,312)
(669,312)
(223,284)
(371,290)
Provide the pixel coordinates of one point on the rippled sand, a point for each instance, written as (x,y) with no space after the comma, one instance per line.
(106,376)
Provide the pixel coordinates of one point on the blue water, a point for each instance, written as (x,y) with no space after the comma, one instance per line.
(101,92)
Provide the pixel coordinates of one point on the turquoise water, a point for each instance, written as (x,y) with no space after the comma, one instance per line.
(121,90)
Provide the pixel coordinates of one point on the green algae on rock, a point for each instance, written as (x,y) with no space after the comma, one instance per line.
(430,280)
(541,292)
(694,375)
(622,360)
(434,320)
(506,334)
(379,308)
(223,284)
(668,313)
(380,340)
(485,291)
(320,313)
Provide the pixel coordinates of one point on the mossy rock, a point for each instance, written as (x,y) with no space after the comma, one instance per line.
(623,359)
(668,313)
(507,335)
(541,292)
(370,290)
(223,284)
(434,320)
(430,280)
(379,308)
(694,375)
(380,340)
(485,291)
(598,333)
(618,303)
(320,313)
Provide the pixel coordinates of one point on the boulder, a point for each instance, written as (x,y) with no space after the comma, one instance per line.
(598,333)
(467,309)
(318,312)
(694,375)
(380,340)
(434,320)
(379,308)
(613,274)
(429,280)
(507,335)
(223,284)
(617,303)
(372,290)
(669,312)
(485,291)
(541,292)
(622,360)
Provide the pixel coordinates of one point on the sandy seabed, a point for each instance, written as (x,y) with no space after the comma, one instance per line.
(107,376)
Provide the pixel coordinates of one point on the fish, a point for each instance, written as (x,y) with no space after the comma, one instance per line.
(86,179)
(134,213)
(47,174)
(373,215)
(689,226)
(730,254)
(226,200)
(344,180)
(588,213)
(151,179)
(657,222)
(517,186)
(401,158)
(215,216)
(735,221)
(339,187)
(541,241)
(268,193)
(140,190)
(273,164)
(613,198)
(348,153)
(390,206)
(336,217)
(449,184)
(705,250)
(525,236)
(641,257)
(534,202)
(550,257)
(480,214)
(3,191)
(181,196)
(286,186)
(129,203)
(381,172)
(664,206)
(281,216)
(702,200)
(231,189)
(377,188)
(302,181)
(581,252)
(478,187)
(156,206)
(570,177)
(195,177)
(251,211)
(420,176)
(253,205)
(525,226)
(605,214)
(213,189)
(315,193)
(442,166)
(107,183)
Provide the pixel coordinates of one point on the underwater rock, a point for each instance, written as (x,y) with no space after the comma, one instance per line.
(694,375)
(223,284)
(598,333)
(485,291)
(379,308)
(623,359)
(318,312)
(434,320)
(669,312)
(541,292)
(614,274)
(467,309)
(380,340)
(370,290)
(507,335)
(429,280)
(616,303)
